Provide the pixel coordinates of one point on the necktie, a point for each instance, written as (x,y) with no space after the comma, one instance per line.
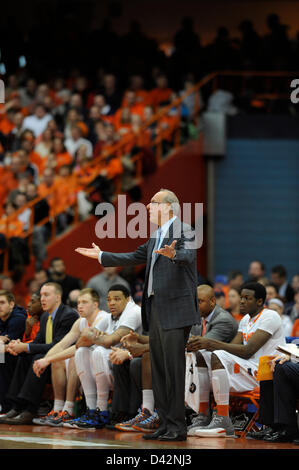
(154,256)
(204,327)
(49,330)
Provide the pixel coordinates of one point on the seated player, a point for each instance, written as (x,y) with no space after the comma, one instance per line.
(133,385)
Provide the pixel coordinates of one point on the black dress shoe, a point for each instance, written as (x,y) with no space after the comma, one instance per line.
(25,417)
(173,436)
(259,434)
(279,436)
(296,441)
(8,416)
(154,435)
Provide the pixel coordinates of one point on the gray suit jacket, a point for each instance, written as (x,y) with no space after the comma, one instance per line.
(174,281)
(222,326)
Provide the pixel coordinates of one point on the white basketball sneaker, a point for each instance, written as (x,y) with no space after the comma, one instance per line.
(199,421)
(220,426)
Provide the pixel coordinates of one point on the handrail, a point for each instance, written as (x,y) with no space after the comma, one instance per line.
(128,139)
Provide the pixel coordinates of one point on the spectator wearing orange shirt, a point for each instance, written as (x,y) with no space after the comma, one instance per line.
(11,231)
(123,121)
(134,106)
(28,144)
(234,304)
(10,177)
(32,287)
(136,84)
(24,180)
(58,194)
(7,112)
(62,156)
(7,122)
(161,92)
(34,310)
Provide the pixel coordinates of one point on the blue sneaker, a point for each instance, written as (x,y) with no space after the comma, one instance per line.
(92,419)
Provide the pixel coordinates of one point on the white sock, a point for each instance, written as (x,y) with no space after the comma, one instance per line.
(220,383)
(58,405)
(69,407)
(82,361)
(101,372)
(102,391)
(204,384)
(148,400)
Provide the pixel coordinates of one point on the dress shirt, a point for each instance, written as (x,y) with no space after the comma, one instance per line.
(53,314)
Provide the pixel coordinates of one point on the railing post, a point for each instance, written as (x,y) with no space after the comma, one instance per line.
(158,152)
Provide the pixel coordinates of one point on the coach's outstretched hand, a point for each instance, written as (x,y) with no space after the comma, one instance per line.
(168,250)
(89,252)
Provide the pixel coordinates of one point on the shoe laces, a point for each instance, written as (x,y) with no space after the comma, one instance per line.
(129,421)
(87,415)
(199,418)
(150,418)
(217,419)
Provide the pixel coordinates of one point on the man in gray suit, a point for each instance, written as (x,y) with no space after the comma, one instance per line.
(169,306)
(216,324)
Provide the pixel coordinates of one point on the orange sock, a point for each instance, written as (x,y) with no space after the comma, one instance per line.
(223,410)
(203,407)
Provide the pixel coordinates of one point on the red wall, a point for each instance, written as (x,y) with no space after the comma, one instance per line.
(183,173)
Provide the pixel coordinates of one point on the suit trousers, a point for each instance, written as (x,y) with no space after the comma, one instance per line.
(6,374)
(266,410)
(127,387)
(168,363)
(26,388)
(286,393)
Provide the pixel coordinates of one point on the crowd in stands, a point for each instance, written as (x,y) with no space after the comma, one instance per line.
(53,127)
(51,133)
(98,346)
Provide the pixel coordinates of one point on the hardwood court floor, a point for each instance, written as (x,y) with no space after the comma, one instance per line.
(46,437)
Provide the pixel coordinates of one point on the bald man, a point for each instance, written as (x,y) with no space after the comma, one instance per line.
(216,324)
(219,324)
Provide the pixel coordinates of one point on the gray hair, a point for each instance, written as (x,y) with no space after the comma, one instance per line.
(171,199)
